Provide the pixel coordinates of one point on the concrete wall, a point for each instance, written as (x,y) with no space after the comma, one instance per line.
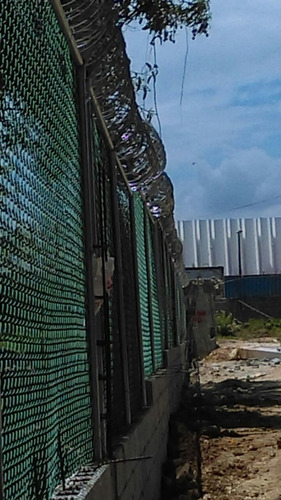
(204,324)
(141,479)
(215,243)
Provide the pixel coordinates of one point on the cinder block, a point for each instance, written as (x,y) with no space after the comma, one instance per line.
(174,357)
(101,486)
(155,386)
(140,479)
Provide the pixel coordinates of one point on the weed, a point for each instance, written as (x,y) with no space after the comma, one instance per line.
(227,326)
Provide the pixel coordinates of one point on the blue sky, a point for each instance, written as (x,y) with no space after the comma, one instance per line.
(223,142)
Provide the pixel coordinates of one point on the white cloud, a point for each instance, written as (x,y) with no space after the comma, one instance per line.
(245,178)
(229,122)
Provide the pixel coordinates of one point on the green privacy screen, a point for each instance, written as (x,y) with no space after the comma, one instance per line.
(143,285)
(154,299)
(152,326)
(43,357)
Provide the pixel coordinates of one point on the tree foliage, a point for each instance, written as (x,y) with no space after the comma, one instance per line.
(164,17)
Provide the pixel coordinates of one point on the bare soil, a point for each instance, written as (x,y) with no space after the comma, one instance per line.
(225,442)
(243,400)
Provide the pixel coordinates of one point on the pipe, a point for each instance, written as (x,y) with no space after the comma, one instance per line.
(63,22)
(2,497)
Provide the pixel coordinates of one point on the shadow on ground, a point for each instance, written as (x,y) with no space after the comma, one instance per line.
(234,404)
(215,409)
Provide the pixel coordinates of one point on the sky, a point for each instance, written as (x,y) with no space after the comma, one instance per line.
(223,142)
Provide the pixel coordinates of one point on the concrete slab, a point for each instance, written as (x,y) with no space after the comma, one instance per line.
(259,352)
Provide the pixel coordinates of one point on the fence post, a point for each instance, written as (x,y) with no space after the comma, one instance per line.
(137,292)
(166,302)
(119,272)
(160,283)
(1,453)
(150,315)
(174,305)
(172,299)
(89,223)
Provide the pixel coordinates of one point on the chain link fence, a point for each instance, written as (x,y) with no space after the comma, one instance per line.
(47,395)
(43,361)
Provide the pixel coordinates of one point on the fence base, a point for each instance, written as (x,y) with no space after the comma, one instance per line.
(146,442)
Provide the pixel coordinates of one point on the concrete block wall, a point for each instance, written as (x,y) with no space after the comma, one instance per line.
(141,479)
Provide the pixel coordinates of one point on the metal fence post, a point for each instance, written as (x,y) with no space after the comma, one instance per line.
(89,244)
(1,453)
(160,284)
(136,283)
(105,373)
(150,315)
(165,285)
(172,299)
(121,305)
(174,305)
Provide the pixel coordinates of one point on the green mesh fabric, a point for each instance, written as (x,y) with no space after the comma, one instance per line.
(168,300)
(129,290)
(43,357)
(143,284)
(157,330)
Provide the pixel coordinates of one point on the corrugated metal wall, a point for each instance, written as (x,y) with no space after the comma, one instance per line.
(215,243)
(252,286)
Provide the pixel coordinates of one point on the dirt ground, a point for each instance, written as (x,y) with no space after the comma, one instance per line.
(225,442)
(242,401)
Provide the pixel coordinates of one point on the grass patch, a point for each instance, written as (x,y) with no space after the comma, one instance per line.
(229,327)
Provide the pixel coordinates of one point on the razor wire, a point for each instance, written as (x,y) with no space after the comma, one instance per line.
(96,28)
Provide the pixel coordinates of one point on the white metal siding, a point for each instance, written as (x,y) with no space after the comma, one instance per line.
(215,243)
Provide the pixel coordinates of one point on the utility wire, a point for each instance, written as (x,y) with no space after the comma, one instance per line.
(240,207)
(184,66)
(257,202)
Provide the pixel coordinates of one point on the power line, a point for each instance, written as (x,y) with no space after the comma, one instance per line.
(240,207)
(256,203)
(184,65)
